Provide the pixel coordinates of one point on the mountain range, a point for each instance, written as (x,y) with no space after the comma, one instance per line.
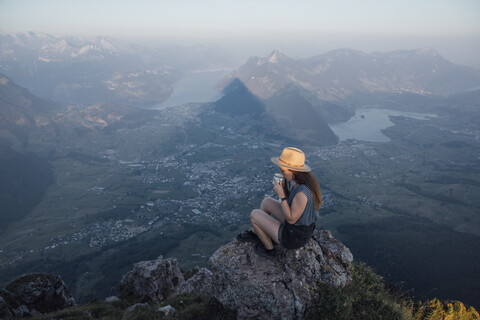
(343,72)
(275,96)
(88,70)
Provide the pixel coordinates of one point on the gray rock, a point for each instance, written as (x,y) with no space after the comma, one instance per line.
(112,299)
(135,306)
(39,293)
(279,288)
(168,310)
(24,310)
(202,282)
(152,280)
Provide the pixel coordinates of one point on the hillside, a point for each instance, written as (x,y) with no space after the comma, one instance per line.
(21,113)
(24,179)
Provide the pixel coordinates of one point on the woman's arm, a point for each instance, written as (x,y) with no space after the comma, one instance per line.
(292,214)
(298,204)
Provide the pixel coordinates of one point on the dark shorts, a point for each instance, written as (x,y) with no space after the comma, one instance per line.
(292,236)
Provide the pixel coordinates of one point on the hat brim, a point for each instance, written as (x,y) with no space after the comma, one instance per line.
(304,168)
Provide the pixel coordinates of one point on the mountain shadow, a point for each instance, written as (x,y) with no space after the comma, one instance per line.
(286,117)
(239,101)
(298,119)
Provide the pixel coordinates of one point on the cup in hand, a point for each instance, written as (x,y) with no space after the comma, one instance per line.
(277,177)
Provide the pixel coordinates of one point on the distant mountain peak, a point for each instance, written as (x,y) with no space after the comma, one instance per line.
(274,56)
(277,57)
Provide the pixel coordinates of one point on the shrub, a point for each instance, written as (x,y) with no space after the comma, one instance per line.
(447,310)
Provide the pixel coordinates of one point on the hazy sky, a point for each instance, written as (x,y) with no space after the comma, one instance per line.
(298,27)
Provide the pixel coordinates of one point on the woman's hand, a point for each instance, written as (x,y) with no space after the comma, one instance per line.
(278,188)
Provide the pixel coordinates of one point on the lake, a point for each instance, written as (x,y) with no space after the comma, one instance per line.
(367,124)
(194,87)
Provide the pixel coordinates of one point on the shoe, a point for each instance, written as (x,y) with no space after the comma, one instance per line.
(247,236)
(264,252)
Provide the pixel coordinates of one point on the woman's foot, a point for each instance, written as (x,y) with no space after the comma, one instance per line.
(264,252)
(247,236)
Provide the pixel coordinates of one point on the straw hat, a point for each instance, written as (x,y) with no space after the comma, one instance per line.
(293,159)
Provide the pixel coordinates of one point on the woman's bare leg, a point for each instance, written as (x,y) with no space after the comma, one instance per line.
(273,207)
(265,226)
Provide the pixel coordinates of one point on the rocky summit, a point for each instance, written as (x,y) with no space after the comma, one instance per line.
(257,287)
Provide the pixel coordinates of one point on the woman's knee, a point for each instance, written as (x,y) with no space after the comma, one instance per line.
(264,203)
(267,203)
(254,214)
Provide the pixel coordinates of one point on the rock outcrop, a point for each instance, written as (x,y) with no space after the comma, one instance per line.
(33,294)
(256,287)
(152,280)
(279,288)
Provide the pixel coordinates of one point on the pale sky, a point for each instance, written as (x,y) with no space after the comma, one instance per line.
(450,26)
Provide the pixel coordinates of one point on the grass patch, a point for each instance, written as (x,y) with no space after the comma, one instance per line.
(366,297)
